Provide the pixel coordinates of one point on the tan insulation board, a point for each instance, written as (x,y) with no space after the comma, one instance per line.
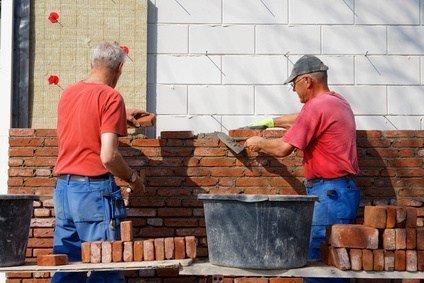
(64,49)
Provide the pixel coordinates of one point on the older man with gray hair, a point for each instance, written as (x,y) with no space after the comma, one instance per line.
(88,203)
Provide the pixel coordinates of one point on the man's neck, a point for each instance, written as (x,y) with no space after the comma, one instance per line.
(101,76)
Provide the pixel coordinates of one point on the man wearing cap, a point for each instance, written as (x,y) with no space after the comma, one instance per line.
(325,131)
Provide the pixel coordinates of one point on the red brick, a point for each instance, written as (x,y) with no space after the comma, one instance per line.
(353,236)
(169,248)
(159,249)
(21,151)
(209,151)
(391,217)
(375,216)
(400,239)
(191,246)
(21,132)
(40,243)
(176,135)
(411,238)
(409,202)
(242,133)
(138,250)
(400,260)
(46,151)
(126,231)
(378,258)
(411,217)
(389,239)
(96,252)
(420,238)
(400,217)
(411,260)
(367,260)
(43,233)
(420,260)
(250,280)
(389,261)
(148,142)
(86,252)
(217,161)
(40,182)
(45,132)
(285,280)
(147,121)
(117,251)
(41,212)
(227,172)
(106,252)
(149,250)
(340,258)
(355,259)
(128,254)
(179,247)
(52,260)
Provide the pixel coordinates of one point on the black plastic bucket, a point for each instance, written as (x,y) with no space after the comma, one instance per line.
(258,231)
(15,219)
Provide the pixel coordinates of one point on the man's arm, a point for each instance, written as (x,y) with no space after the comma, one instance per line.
(285,121)
(115,163)
(275,147)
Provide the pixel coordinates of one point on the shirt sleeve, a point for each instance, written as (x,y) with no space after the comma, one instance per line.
(114,117)
(304,129)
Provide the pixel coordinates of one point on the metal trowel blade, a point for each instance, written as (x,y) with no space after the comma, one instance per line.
(230,143)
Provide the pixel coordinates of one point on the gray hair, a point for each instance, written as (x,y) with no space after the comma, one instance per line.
(107,54)
(320,77)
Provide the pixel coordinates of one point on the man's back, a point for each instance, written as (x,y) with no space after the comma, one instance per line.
(85,111)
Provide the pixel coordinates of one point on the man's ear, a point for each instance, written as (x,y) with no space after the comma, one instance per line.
(118,68)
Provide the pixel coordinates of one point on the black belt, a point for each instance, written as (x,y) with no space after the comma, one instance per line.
(80,178)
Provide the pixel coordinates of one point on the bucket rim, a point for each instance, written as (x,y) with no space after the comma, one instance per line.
(256,198)
(19,197)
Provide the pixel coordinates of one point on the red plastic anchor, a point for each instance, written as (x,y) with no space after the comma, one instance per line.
(126,51)
(54,80)
(53,17)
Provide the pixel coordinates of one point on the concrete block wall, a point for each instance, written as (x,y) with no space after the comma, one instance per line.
(179,166)
(228,59)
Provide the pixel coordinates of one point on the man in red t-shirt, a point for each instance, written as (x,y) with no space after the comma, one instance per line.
(88,203)
(325,131)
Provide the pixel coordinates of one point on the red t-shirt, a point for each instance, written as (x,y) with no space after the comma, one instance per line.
(325,131)
(85,111)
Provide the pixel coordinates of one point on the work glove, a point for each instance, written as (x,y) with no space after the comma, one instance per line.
(266,123)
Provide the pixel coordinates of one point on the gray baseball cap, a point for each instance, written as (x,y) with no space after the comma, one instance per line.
(305,65)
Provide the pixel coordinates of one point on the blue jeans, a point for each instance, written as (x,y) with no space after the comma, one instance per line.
(86,210)
(338,203)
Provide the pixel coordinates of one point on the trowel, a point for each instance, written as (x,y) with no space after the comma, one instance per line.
(230,142)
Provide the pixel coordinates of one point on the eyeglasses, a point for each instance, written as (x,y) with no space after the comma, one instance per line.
(293,83)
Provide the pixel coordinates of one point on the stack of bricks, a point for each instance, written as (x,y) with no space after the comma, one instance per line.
(389,240)
(127,250)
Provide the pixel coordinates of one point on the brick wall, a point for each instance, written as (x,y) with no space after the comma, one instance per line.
(179,166)
(233,55)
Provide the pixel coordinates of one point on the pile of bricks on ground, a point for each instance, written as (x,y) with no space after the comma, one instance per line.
(388,240)
(128,250)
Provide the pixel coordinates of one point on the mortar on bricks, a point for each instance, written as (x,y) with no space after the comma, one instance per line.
(258,231)
(15,219)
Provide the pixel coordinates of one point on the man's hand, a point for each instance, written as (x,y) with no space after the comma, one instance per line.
(266,123)
(133,115)
(138,185)
(254,143)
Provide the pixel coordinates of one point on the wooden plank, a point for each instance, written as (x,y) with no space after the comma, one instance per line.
(85,267)
(205,268)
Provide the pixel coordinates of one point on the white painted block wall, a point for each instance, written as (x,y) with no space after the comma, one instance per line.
(214,62)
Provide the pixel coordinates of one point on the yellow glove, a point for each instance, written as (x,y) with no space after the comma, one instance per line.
(267,123)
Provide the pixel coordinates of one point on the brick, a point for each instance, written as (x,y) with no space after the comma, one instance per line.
(340,258)
(147,121)
(353,236)
(191,246)
(117,251)
(128,254)
(325,253)
(400,260)
(375,216)
(96,252)
(52,260)
(159,249)
(355,259)
(389,261)
(126,231)
(410,201)
(420,238)
(138,250)
(367,260)
(241,133)
(106,252)
(378,258)
(391,217)
(285,280)
(400,217)
(389,239)
(250,280)
(411,238)
(169,248)
(420,260)
(411,260)
(400,238)
(179,247)
(86,252)
(411,217)
(209,151)
(149,250)
(176,135)
(217,161)
(17,132)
